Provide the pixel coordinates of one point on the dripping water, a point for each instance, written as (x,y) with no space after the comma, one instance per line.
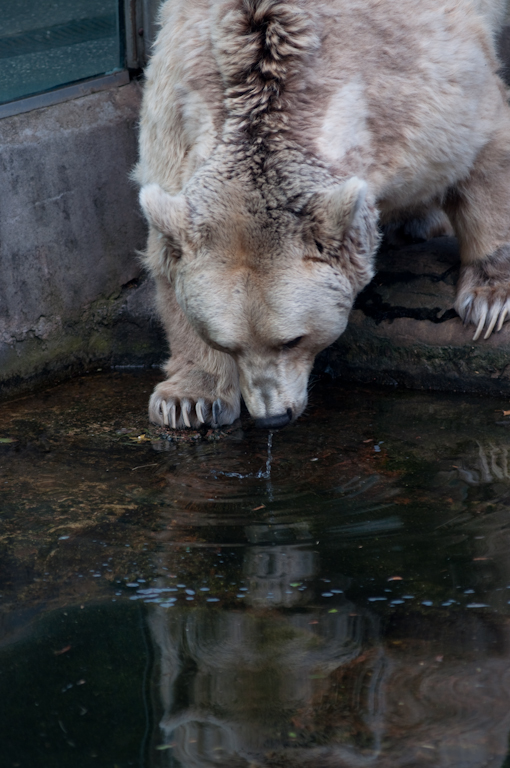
(262,474)
(267,474)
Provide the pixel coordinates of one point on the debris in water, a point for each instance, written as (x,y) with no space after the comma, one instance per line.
(63,650)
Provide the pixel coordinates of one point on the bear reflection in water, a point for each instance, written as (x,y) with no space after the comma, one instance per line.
(490,465)
(315,689)
(237,685)
(279,680)
(284,683)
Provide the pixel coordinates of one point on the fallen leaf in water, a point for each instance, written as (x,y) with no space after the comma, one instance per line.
(62,650)
(7,440)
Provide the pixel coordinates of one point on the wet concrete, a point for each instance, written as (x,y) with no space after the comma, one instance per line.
(191,600)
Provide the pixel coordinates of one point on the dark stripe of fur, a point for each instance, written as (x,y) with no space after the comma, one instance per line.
(260,43)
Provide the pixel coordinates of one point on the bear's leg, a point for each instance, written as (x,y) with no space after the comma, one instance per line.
(479,208)
(417,225)
(202,385)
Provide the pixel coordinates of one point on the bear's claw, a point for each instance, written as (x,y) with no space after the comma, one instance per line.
(486,307)
(185,412)
(483,292)
(199,411)
(216,409)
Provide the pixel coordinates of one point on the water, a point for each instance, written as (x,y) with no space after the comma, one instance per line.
(337,596)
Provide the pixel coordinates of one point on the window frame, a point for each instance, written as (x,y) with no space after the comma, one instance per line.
(137,29)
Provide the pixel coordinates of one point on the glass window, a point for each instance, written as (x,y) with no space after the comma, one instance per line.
(47,43)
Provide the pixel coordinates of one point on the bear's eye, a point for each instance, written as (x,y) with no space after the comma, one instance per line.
(319,246)
(293,343)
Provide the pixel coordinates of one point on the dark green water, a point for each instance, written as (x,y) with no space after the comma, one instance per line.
(342,601)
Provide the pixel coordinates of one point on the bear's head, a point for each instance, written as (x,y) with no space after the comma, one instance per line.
(270,284)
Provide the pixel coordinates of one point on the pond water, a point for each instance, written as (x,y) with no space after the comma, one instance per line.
(339,597)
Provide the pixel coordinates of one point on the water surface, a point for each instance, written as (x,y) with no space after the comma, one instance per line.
(340,601)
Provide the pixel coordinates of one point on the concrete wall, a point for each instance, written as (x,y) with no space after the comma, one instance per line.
(72,292)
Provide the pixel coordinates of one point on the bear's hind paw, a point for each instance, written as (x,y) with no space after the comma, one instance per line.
(486,307)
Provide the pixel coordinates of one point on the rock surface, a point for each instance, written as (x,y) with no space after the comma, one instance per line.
(404,330)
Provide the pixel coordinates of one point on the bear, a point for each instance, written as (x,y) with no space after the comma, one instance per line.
(276,138)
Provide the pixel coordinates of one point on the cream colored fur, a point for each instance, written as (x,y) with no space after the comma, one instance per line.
(274,138)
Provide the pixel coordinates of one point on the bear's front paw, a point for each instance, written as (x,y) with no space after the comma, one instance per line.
(173,406)
(483,295)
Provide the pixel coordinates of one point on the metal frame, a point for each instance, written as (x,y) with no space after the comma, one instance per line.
(138,30)
(65,93)
(140,21)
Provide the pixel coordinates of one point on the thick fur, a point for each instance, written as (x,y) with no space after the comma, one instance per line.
(275,136)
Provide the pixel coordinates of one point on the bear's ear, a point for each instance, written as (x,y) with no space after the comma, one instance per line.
(167,213)
(335,210)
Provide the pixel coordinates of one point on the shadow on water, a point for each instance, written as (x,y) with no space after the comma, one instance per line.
(338,598)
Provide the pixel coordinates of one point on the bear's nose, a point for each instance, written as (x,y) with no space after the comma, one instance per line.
(275,422)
